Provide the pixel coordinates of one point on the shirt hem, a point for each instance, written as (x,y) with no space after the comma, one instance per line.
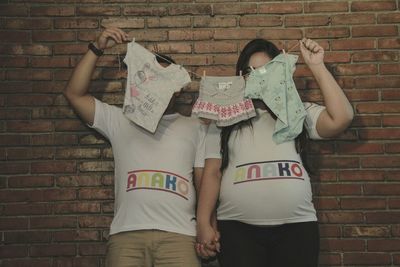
(271,222)
(151,227)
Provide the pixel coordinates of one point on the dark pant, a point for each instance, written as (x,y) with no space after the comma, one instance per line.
(288,245)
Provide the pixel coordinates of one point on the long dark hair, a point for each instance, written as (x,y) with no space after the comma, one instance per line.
(242,66)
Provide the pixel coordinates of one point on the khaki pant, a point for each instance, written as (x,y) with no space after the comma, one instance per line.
(151,248)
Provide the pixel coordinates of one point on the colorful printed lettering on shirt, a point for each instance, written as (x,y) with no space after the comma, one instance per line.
(269,170)
(158,180)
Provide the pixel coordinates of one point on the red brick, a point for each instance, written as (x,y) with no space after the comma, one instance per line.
(375,31)
(280,8)
(52,250)
(341,217)
(15,36)
(169,22)
(131,23)
(70,125)
(139,10)
(14,223)
(342,245)
(278,34)
(383,245)
(377,82)
(29,74)
(332,32)
(389,69)
(29,126)
(30,181)
(14,140)
(15,114)
(13,61)
(79,180)
(389,18)
(98,11)
(47,62)
(390,95)
(329,259)
(27,263)
(337,189)
(257,21)
(364,258)
(96,166)
(215,47)
(179,35)
(360,148)
(223,34)
(356,69)
(77,153)
(95,221)
(376,134)
(382,189)
(236,9)
(28,24)
(27,237)
(13,10)
(335,162)
(77,208)
(392,147)
(308,20)
(75,23)
(190,9)
(92,249)
(373,5)
(389,43)
(366,231)
(353,44)
(323,203)
(214,22)
(363,203)
(378,108)
(94,193)
(53,222)
(13,168)
(326,6)
(63,49)
(53,167)
(37,50)
(381,162)
(30,153)
(27,209)
(53,36)
(13,252)
(66,236)
(52,11)
(351,19)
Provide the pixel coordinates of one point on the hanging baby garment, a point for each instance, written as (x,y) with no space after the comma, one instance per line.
(222,99)
(149,86)
(273,83)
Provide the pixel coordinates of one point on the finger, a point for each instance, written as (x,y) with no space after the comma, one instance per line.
(203,252)
(218,247)
(112,35)
(118,34)
(124,35)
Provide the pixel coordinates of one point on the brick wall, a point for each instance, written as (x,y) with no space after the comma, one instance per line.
(56,184)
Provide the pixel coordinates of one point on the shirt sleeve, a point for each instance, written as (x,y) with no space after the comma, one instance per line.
(105,119)
(213,142)
(313,111)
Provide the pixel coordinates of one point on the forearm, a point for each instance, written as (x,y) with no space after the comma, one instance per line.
(78,85)
(209,192)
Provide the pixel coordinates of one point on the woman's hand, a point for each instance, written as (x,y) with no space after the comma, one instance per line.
(110,37)
(312,52)
(207,241)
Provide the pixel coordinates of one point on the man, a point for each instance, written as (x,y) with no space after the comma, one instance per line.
(154,219)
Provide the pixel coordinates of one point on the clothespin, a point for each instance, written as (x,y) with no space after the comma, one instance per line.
(204,73)
(240,73)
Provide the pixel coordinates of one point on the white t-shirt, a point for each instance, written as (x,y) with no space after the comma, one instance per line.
(149,86)
(264,183)
(153,172)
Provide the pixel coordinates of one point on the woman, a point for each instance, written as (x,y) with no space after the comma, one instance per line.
(265,212)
